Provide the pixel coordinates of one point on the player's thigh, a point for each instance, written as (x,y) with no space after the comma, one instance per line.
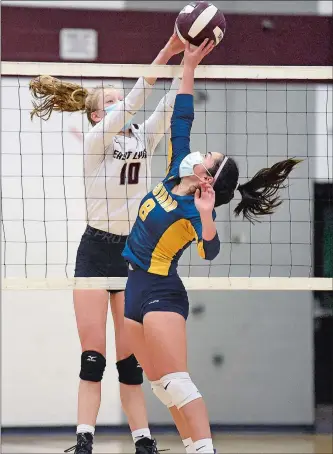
(136,340)
(165,340)
(123,349)
(91,308)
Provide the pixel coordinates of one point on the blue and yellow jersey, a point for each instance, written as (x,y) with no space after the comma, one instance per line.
(168,223)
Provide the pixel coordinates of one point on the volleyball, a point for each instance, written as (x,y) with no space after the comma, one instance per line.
(198,21)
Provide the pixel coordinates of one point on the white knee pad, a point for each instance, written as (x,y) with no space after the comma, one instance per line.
(181,388)
(161,393)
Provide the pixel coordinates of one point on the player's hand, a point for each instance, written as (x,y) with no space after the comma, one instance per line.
(193,56)
(174,46)
(204,199)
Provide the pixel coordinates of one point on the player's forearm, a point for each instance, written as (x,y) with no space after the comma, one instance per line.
(187,82)
(137,96)
(115,120)
(170,97)
(211,241)
(208,226)
(167,103)
(181,124)
(142,88)
(162,59)
(159,122)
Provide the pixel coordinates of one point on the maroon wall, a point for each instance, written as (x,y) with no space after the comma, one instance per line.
(32,34)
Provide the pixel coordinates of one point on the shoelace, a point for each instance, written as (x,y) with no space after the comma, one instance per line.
(73,448)
(78,445)
(153,449)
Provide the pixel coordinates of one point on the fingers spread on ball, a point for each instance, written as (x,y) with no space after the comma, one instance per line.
(210,46)
(203,44)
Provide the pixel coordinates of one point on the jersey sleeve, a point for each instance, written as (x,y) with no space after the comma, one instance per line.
(207,250)
(101,135)
(181,124)
(153,129)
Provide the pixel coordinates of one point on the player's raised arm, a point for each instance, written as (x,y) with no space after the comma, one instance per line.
(183,114)
(118,114)
(106,110)
(154,128)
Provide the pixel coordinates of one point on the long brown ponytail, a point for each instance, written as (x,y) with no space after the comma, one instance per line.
(52,94)
(259,195)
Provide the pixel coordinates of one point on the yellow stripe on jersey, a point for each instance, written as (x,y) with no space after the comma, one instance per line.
(171,242)
(170,151)
(200,246)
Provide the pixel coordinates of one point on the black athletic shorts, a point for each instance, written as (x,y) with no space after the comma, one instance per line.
(99,255)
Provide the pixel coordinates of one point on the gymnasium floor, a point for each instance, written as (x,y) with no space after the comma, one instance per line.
(238,444)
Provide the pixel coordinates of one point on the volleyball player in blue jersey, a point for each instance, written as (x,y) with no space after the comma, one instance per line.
(178,211)
(117,173)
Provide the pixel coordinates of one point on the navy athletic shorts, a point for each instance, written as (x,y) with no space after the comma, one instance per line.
(146,292)
(99,255)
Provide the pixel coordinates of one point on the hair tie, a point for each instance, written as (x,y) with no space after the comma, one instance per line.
(219,170)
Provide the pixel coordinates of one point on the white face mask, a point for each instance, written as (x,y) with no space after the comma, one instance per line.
(186,168)
(113,107)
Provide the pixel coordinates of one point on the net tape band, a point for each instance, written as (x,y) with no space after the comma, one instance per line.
(194,283)
(99,70)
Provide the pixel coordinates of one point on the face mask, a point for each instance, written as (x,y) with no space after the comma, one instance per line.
(112,107)
(187,165)
(186,168)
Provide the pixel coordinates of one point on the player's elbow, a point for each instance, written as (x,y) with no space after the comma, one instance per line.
(181,122)
(212,253)
(181,128)
(209,250)
(183,108)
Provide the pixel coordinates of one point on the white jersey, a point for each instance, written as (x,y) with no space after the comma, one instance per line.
(117,168)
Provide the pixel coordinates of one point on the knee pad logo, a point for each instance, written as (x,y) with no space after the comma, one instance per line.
(180,387)
(92,359)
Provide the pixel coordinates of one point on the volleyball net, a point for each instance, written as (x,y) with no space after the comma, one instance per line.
(257,115)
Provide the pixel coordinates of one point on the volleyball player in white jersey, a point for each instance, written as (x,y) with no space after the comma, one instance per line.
(117,174)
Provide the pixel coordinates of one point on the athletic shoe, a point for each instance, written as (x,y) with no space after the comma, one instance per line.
(146,446)
(84,444)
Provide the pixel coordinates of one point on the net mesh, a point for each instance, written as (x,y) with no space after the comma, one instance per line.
(255,122)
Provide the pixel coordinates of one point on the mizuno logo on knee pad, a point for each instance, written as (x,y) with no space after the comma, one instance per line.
(92,358)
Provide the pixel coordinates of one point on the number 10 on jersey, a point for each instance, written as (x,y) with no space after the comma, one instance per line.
(130,173)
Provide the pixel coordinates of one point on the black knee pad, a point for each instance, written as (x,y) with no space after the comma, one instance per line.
(129,371)
(92,366)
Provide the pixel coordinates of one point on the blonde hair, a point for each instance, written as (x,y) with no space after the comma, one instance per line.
(51,94)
